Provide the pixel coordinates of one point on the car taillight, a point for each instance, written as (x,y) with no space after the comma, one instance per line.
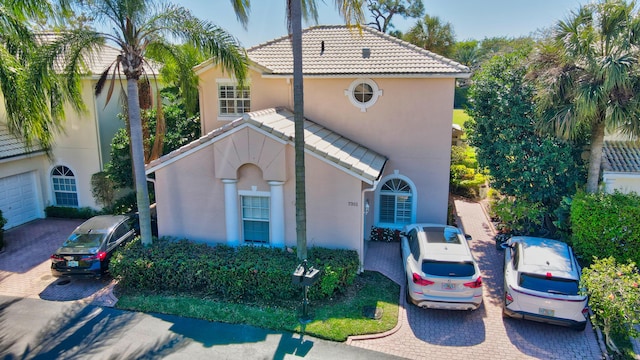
(585,312)
(417,279)
(508,299)
(99,256)
(474,284)
(57,258)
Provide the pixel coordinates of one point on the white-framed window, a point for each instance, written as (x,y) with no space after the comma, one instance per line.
(65,191)
(396,204)
(233,100)
(363,93)
(255,219)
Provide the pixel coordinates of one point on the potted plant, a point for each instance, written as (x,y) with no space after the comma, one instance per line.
(3,221)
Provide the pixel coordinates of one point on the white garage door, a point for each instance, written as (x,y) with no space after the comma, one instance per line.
(18,199)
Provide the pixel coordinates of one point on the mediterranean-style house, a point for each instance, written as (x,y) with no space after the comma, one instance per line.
(31,181)
(378,115)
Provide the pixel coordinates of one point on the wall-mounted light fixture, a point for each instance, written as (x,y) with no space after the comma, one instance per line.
(366,207)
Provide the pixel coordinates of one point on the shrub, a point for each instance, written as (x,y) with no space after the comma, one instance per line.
(103,189)
(245,273)
(70,213)
(614,297)
(465,178)
(606,225)
(517,217)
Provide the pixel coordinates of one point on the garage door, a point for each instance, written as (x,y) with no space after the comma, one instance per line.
(18,199)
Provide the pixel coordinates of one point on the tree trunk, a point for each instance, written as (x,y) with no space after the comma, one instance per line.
(298,110)
(158,142)
(595,157)
(137,154)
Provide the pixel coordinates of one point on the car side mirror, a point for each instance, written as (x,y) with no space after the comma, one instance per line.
(506,245)
(468,237)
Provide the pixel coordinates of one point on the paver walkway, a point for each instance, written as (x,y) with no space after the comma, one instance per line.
(479,334)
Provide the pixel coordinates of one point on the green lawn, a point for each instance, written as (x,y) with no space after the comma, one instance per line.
(334,319)
(459,117)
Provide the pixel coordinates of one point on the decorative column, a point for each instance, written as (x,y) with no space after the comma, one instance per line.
(277,213)
(231,211)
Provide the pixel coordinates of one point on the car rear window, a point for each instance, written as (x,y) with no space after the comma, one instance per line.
(84,240)
(448,268)
(549,284)
(439,235)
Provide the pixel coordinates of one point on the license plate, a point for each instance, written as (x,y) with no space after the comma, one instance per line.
(72,263)
(546,312)
(448,286)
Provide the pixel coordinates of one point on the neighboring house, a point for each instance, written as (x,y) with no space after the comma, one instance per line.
(29,181)
(621,165)
(378,144)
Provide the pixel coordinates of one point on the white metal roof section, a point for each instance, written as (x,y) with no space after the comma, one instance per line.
(339,50)
(319,141)
(11,146)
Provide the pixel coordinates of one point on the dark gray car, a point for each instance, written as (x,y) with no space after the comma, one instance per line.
(88,249)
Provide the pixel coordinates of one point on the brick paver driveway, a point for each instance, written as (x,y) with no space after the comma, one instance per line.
(25,268)
(480,334)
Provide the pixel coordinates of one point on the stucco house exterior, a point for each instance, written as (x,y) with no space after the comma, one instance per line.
(30,181)
(378,115)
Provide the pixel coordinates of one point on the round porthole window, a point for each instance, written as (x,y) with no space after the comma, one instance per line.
(363,93)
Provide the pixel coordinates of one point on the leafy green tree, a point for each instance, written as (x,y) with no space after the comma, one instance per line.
(181,130)
(431,34)
(466,53)
(522,163)
(34,83)
(588,77)
(135,26)
(383,10)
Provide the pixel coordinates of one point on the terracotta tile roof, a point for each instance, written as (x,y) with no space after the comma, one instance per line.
(346,52)
(322,142)
(10,146)
(98,60)
(621,156)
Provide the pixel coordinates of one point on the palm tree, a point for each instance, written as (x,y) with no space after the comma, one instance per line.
(351,11)
(32,82)
(431,34)
(136,27)
(588,77)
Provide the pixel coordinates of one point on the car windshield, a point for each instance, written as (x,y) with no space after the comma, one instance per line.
(448,268)
(549,284)
(84,240)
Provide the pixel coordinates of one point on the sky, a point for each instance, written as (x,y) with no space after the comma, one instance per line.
(470,19)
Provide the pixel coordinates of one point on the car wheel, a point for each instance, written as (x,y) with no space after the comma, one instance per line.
(407,299)
(504,308)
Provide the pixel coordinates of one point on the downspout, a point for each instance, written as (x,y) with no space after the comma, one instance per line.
(362,215)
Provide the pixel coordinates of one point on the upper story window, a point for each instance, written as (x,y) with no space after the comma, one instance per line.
(64,186)
(363,93)
(233,100)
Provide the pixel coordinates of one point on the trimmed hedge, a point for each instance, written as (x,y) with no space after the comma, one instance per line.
(70,212)
(605,225)
(245,273)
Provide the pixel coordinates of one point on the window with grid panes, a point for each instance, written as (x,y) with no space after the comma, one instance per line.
(255,219)
(395,202)
(64,186)
(233,100)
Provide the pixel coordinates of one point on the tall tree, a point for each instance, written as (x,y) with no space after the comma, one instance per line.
(431,34)
(351,11)
(33,83)
(524,164)
(135,27)
(588,77)
(383,10)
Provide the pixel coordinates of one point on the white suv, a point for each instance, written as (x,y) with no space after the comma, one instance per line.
(440,270)
(542,282)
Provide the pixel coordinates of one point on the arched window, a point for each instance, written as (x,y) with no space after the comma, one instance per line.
(64,186)
(396,203)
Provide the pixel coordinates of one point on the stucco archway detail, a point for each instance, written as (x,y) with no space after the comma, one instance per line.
(248,146)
